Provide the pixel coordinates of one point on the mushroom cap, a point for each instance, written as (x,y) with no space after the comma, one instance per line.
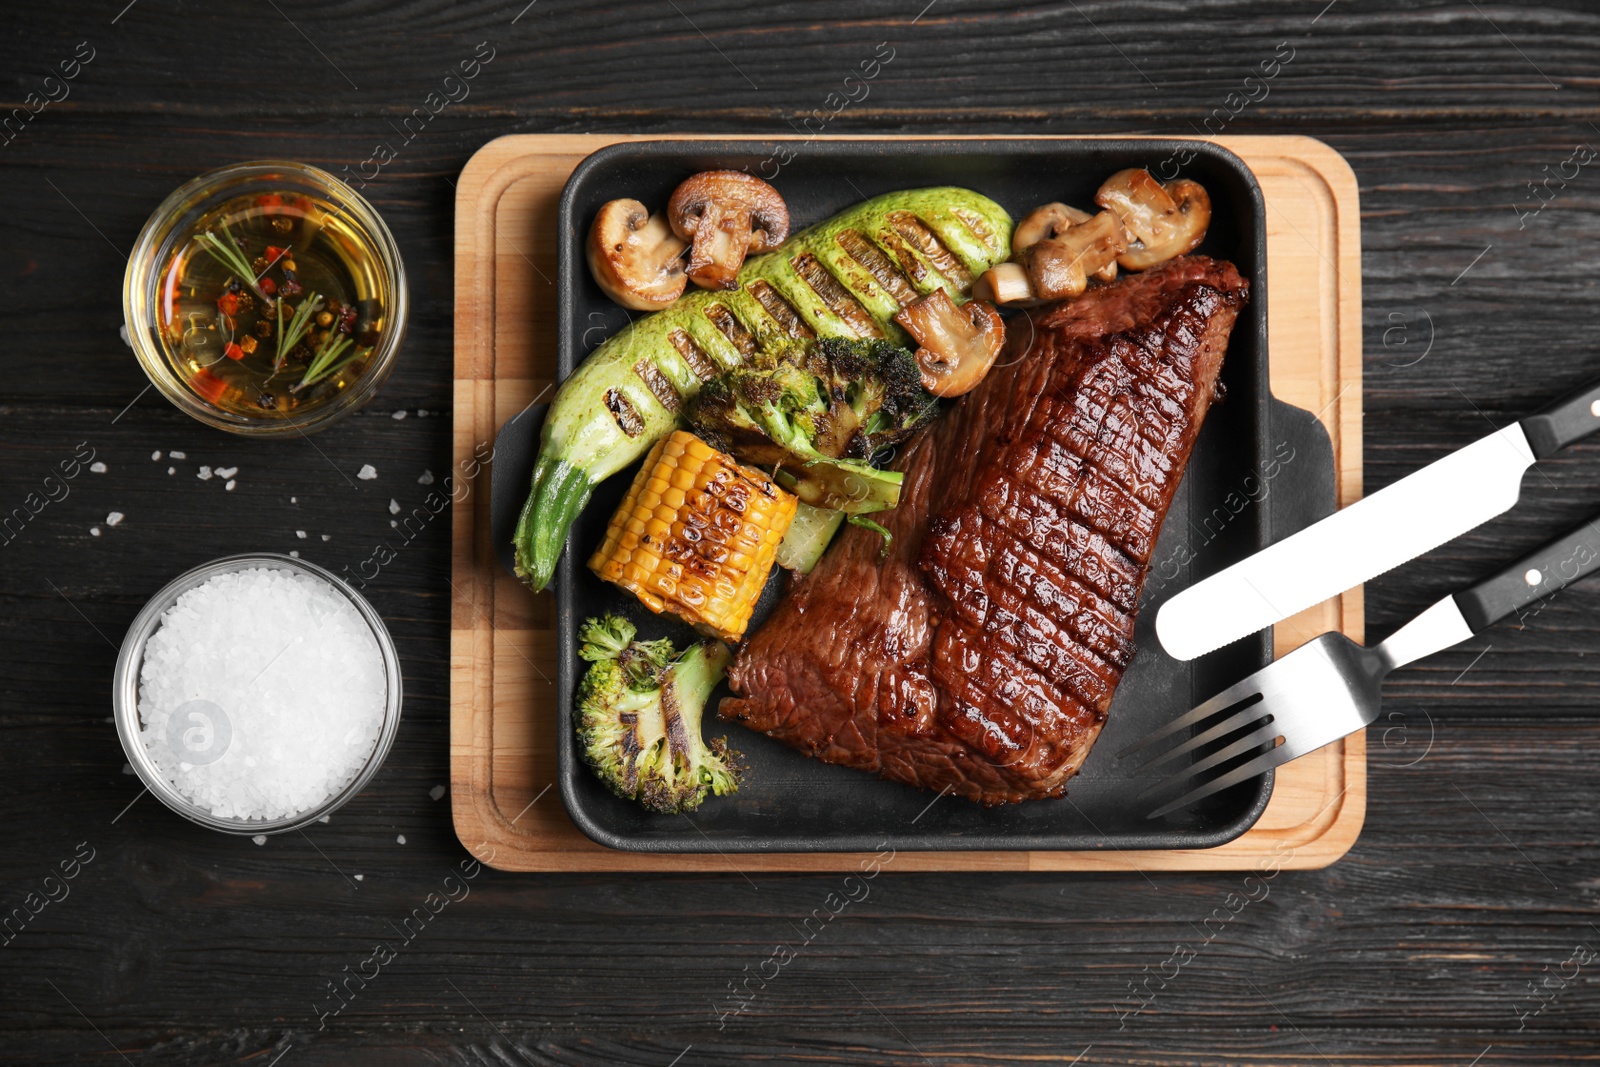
(732,191)
(1044,222)
(1165,221)
(958,344)
(1060,267)
(635,257)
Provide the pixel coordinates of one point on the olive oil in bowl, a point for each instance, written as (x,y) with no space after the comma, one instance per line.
(276,301)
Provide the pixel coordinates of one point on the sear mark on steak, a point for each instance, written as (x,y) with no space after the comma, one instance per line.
(981,655)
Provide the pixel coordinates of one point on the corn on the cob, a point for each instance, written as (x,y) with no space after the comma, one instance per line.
(696,536)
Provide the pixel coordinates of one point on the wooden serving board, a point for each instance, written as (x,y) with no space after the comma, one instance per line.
(508,812)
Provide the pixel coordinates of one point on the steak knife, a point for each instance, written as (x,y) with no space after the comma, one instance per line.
(1377,533)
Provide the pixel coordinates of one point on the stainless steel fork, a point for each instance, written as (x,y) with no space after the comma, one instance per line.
(1331,686)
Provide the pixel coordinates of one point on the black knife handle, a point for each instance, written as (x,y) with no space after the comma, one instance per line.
(1537,575)
(1570,419)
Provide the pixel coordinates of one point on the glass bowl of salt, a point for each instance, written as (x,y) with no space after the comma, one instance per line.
(256,694)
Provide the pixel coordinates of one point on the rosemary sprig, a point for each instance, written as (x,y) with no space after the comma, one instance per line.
(231,256)
(329,360)
(299,325)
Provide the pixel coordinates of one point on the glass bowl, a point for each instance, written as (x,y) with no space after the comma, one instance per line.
(355,234)
(125,695)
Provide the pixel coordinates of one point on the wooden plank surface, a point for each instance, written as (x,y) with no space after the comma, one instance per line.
(503,715)
(1475,873)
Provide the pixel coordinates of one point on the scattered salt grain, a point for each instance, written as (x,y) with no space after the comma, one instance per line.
(294,500)
(114,518)
(94,531)
(230,485)
(394,506)
(155,456)
(401,839)
(205,474)
(97,467)
(175,454)
(361,878)
(172,470)
(127,768)
(394,524)
(295,553)
(367,472)
(260,839)
(227,472)
(399,415)
(298,688)
(436,792)
(327,537)
(423,413)
(325,819)
(426,479)
(300,534)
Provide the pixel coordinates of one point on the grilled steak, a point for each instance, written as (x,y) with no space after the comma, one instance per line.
(981,654)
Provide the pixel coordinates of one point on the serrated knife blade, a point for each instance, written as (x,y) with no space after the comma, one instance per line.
(1375,534)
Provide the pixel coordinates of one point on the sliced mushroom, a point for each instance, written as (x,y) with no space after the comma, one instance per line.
(727,214)
(959,344)
(1060,267)
(1163,221)
(635,256)
(1049,222)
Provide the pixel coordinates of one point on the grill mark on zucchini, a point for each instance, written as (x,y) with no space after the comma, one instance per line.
(662,389)
(836,295)
(976,226)
(692,354)
(905,259)
(882,269)
(782,312)
(628,419)
(924,240)
(730,327)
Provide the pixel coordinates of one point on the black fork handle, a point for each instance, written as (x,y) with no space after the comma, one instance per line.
(1544,571)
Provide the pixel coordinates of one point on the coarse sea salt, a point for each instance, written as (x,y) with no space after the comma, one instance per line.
(294,690)
(97,467)
(367,472)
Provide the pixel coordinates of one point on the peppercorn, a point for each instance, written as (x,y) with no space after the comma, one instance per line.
(234,285)
(347,320)
(263,328)
(259,265)
(245,301)
(267,400)
(324,319)
(288,266)
(281,225)
(290,287)
(248,344)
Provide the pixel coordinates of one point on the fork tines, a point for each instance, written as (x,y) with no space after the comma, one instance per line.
(1237,722)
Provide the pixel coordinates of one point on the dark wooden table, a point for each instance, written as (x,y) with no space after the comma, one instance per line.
(1462,927)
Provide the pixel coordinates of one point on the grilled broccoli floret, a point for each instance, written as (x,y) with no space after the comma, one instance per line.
(819,411)
(638,717)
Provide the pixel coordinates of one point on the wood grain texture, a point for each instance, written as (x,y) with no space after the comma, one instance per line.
(1478,869)
(503,706)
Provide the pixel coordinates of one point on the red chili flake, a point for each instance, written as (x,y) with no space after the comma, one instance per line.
(274,253)
(228,304)
(233,351)
(269,200)
(268,286)
(208,385)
